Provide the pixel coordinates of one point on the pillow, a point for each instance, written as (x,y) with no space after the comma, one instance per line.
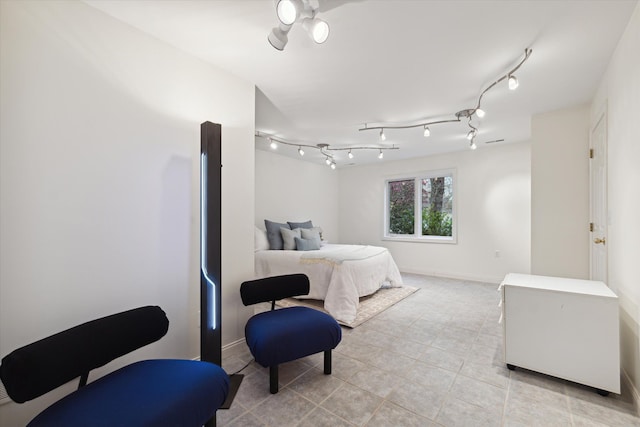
(261,243)
(288,237)
(310,234)
(307,224)
(273,234)
(307,244)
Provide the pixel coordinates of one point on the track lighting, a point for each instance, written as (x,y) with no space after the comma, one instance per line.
(324,149)
(513,82)
(288,10)
(317,29)
(473,145)
(383,137)
(466,113)
(304,11)
(278,36)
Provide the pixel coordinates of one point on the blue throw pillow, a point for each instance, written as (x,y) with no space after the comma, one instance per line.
(306,224)
(307,244)
(273,234)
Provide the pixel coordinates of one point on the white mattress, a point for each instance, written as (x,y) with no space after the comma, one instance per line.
(339,274)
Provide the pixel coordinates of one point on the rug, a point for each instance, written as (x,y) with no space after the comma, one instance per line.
(370,306)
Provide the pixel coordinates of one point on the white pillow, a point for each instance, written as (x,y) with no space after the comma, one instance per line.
(261,243)
(288,237)
(311,234)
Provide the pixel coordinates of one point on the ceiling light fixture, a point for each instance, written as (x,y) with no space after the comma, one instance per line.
(466,113)
(273,144)
(324,149)
(427,131)
(513,82)
(303,11)
(383,137)
(473,145)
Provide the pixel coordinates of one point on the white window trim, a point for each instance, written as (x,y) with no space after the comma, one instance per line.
(417,237)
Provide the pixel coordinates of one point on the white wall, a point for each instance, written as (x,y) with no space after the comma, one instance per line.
(294,190)
(493,213)
(619,93)
(560,193)
(99,167)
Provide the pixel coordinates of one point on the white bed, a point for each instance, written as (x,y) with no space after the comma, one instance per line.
(339,274)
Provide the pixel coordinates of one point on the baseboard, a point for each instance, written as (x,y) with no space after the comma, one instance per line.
(448,275)
(634,392)
(234,347)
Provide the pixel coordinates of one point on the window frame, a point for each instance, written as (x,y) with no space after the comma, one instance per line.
(417,200)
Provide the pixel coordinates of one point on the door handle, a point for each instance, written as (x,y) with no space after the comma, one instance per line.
(598,241)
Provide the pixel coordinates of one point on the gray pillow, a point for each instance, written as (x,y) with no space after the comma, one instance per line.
(311,234)
(307,244)
(288,237)
(273,234)
(306,224)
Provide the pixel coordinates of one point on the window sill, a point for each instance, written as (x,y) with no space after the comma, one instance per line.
(424,239)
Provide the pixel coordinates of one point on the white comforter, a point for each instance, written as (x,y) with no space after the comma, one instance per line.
(339,274)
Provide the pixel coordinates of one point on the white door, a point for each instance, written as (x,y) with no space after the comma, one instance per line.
(598,200)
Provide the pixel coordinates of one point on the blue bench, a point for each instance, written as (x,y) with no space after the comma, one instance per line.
(162,392)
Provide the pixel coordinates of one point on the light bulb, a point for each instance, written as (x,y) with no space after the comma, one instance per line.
(273,144)
(287,12)
(471,134)
(327,161)
(350,154)
(382,135)
(473,145)
(333,165)
(427,131)
(513,82)
(381,155)
(317,29)
(480,113)
(300,151)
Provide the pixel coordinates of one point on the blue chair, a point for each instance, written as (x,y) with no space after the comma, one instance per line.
(163,392)
(286,334)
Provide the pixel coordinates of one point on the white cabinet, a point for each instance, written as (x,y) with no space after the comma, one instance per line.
(566,328)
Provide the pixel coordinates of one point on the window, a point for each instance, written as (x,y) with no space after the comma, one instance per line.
(421,207)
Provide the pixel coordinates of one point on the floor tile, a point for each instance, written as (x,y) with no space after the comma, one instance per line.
(353,404)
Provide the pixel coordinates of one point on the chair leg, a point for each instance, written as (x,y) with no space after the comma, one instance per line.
(273,379)
(327,362)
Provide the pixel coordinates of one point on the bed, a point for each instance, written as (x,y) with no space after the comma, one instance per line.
(338,274)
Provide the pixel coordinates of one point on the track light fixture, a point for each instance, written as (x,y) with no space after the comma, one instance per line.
(383,137)
(513,82)
(469,113)
(291,11)
(273,144)
(324,149)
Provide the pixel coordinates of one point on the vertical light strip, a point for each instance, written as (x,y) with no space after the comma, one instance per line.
(203,239)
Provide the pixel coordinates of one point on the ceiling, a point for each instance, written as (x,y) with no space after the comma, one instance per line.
(396,62)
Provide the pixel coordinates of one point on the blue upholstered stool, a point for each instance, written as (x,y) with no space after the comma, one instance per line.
(286,334)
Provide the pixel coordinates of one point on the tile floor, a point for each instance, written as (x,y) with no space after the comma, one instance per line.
(433,359)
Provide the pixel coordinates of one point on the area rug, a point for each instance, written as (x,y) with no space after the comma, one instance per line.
(370,306)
